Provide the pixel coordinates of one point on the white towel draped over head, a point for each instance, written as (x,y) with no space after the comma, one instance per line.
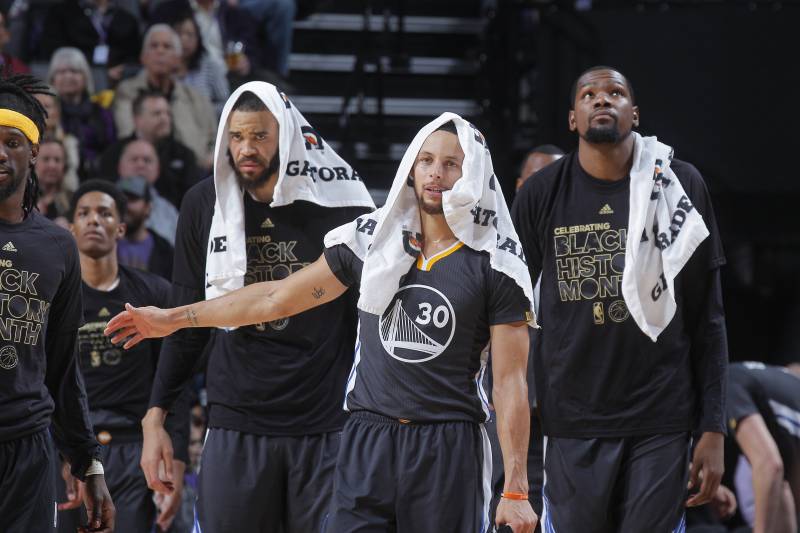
(664,230)
(387,240)
(309,170)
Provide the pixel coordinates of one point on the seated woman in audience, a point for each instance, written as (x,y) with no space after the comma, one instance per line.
(93,125)
(199,69)
(54,130)
(54,198)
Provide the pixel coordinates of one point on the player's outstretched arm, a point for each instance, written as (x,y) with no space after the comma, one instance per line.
(260,302)
(510,395)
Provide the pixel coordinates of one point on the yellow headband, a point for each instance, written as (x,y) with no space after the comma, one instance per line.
(13,119)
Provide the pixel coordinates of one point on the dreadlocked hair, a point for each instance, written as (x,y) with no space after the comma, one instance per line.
(17,93)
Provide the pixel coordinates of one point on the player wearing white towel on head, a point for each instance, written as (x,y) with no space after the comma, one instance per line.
(275,386)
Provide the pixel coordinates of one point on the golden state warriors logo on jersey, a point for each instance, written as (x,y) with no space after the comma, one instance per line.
(418,325)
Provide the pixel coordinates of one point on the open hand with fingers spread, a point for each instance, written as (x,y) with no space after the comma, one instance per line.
(138,323)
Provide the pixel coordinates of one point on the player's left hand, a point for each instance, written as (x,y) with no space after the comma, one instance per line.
(516,514)
(706,468)
(74,489)
(168,504)
(99,507)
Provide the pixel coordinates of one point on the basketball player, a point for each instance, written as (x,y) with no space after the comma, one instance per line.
(40,312)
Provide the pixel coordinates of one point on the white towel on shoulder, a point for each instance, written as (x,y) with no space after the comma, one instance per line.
(664,230)
(475,209)
(309,170)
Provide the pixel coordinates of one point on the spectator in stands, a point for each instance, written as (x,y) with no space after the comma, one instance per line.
(141,247)
(229,34)
(153,123)
(54,130)
(8,63)
(198,69)
(193,116)
(139,158)
(54,199)
(88,121)
(107,34)
(207,14)
(536,159)
(276,18)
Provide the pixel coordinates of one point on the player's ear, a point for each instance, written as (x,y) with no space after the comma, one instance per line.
(121,230)
(571,120)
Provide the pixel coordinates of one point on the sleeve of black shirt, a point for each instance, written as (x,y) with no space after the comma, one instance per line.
(73,430)
(179,416)
(524,214)
(181,351)
(704,312)
(507,301)
(741,395)
(344,264)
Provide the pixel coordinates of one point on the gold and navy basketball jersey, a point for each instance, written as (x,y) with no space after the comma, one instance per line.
(421,359)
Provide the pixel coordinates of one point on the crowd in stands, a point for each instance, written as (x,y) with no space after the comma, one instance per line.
(139,87)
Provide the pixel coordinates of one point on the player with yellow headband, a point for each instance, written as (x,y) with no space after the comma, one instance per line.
(40,312)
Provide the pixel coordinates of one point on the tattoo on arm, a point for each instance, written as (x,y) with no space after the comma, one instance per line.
(318,292)
(191,316)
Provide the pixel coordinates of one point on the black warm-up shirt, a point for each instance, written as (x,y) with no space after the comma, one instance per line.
(285,377)
(118,382)
(421,359)
(597,374)
(40,313)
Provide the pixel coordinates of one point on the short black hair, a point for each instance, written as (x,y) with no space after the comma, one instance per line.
(449,127)
(248,101)
(547,149)
(17,93)
(144,94)
(574,91)
(99,185)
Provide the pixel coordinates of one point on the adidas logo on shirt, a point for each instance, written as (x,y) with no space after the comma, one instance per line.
(606,210)
(103,312)
(267,223)
(9,247)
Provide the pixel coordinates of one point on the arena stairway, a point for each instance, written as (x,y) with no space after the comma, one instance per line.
(352,51)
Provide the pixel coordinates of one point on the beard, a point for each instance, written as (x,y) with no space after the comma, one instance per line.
(11,187)
(605,134)
(250,184)
(430,208)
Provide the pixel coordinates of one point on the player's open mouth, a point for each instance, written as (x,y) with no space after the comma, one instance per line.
(434,190)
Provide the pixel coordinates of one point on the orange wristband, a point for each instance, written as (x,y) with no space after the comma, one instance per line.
(514,496)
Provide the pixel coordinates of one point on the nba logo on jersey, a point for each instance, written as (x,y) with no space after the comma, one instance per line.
(418,325)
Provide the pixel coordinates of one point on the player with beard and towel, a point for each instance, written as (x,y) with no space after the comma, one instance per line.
(440,273)
(274,387)
(631,358)
(40,292)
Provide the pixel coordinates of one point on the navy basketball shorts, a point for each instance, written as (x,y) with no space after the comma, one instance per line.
(263,484)
(616,485)
(402,477)
(27,484)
